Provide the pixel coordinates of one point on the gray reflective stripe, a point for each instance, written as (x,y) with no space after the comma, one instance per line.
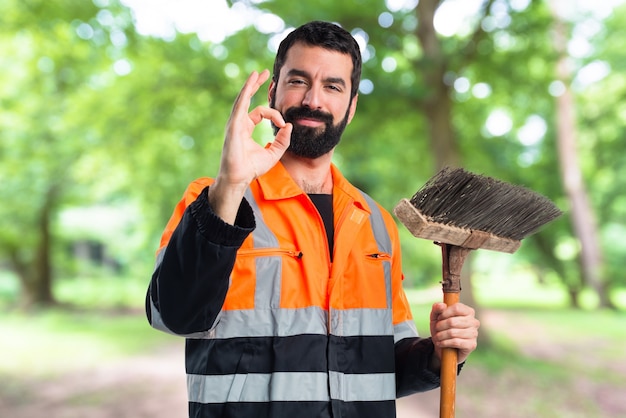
(267,291)
(355,322)
(311,320)
(406,329)
(383,241)
(270,322)
(291,387)
(270,268)
(378,225)
(262,233)
(363,387)
(157,321)
(159,257)
(258,387)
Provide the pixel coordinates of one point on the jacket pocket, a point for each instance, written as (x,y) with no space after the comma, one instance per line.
(364,281)
(254,265)
(378,257)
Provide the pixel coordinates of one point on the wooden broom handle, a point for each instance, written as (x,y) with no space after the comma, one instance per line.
(449,361)
(453,258)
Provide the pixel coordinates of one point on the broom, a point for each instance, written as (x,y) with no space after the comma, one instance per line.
(462,211)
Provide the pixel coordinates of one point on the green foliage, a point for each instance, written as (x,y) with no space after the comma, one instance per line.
(95,114)
(602,127)
(47,61)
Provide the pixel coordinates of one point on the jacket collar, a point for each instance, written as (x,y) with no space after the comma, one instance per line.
(277,184)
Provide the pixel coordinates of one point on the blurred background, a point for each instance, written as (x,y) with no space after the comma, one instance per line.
(108,109)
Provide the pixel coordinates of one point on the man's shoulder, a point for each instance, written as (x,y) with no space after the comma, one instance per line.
(202,182)
(199,184)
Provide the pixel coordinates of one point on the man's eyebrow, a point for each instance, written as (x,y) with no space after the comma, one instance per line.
(336,80)
(302,73)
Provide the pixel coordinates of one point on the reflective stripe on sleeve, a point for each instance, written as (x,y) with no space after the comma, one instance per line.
(157,323)
(406,329)
(156,318)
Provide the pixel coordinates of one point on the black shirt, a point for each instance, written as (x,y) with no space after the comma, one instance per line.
(324,205)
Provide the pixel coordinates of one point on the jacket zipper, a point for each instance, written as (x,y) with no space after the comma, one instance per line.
(379,256)
(268,252)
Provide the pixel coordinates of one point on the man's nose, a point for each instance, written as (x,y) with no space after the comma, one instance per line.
(312,98)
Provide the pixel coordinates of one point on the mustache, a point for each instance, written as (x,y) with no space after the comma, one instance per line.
(294,113)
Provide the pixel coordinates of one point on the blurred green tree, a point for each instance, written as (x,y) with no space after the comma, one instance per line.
(93,112)
(50,53)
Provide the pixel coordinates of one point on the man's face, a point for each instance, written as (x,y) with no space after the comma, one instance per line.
(313,93)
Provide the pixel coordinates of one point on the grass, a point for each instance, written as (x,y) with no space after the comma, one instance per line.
(107,323)
(56,341)
(541,304)
(546,359)
(98,320)
(102,292)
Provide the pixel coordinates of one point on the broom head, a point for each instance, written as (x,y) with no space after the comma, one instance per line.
(472,211)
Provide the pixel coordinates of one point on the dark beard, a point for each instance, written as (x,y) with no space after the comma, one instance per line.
(310,142)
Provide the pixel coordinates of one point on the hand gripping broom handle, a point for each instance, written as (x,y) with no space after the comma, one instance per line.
(453,258)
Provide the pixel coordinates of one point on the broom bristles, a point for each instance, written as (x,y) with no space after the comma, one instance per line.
(466,200)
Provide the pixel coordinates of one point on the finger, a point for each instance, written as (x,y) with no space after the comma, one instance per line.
(456,310)
(460,322)
(263,112)
(460,339)
(280,144)
(253,83)
(244,90)
(282,139)
(457,333)
(436,310)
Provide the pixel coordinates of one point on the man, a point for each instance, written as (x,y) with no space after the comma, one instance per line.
(285,278)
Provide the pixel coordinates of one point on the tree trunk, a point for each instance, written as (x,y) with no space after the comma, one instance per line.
(572,280)
(582,216)
(574,300)
(437,107)
(35,272)
(43,258)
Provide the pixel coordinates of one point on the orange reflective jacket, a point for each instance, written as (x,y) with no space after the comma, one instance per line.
(293,330)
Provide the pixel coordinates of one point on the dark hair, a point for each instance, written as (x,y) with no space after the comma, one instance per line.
(326,35)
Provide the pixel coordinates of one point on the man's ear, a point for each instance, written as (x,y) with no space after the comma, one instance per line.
(271,91)
(352,110)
